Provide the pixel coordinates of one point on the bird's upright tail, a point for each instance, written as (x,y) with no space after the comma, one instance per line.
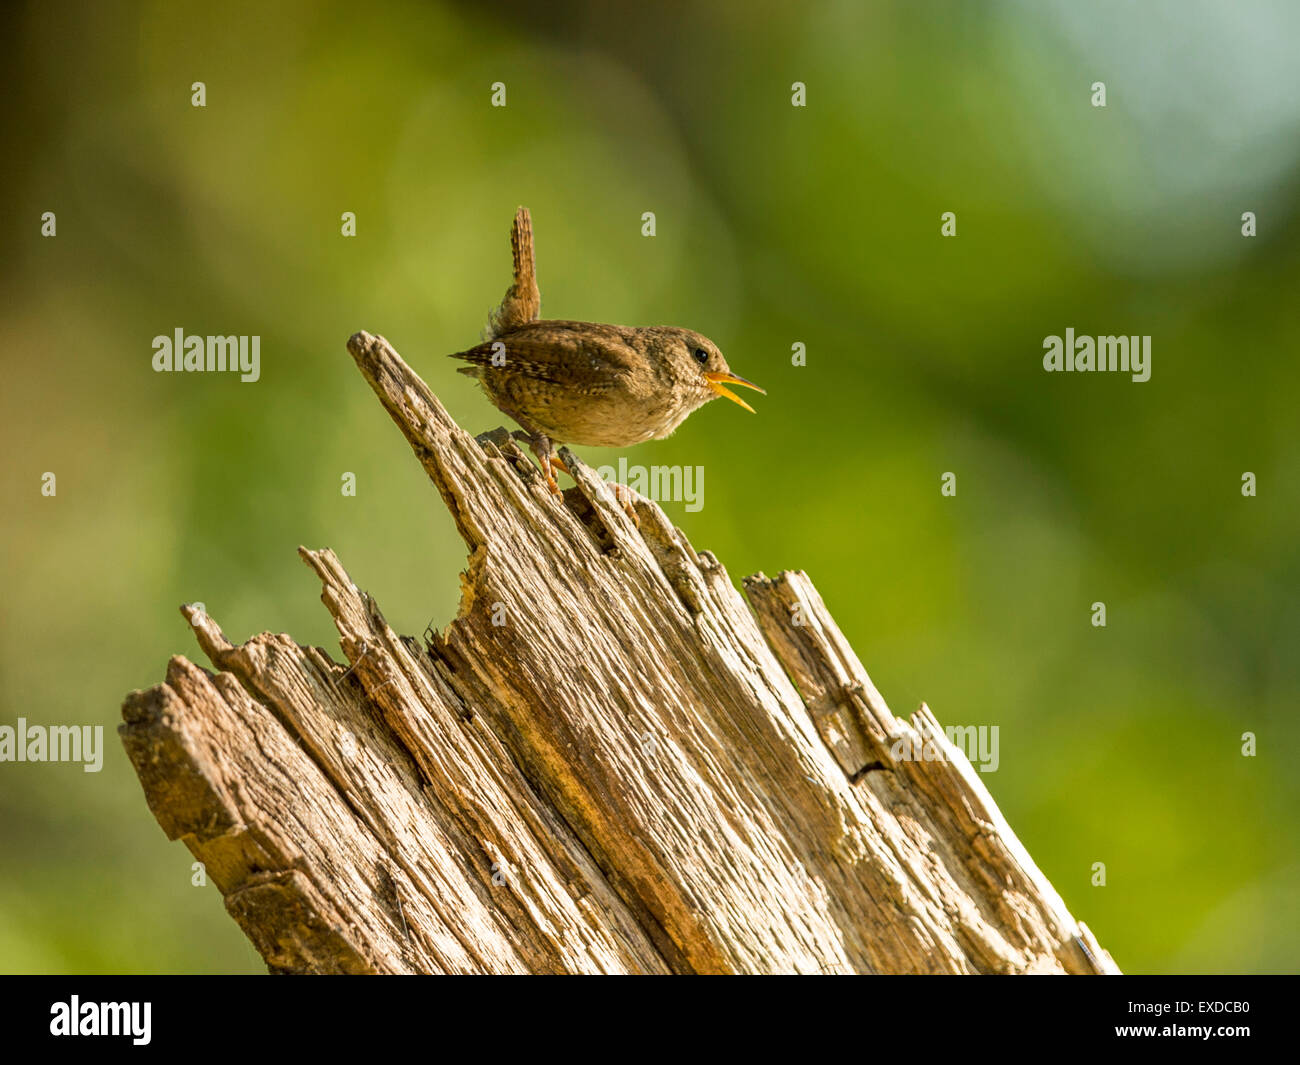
(522,301)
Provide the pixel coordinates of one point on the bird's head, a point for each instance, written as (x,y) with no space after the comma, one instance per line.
(696,364)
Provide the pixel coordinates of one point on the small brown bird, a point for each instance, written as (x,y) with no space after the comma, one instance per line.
(582,383)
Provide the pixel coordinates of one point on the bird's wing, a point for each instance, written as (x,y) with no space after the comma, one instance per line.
(581,355)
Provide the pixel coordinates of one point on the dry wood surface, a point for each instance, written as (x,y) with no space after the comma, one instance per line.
(611,761)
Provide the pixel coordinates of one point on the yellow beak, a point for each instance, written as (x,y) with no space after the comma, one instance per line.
(717,380)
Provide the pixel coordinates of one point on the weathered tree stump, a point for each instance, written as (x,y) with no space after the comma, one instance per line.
(608,762)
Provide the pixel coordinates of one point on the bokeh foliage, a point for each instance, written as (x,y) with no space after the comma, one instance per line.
(775,224)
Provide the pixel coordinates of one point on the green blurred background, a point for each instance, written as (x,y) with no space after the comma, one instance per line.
(775,225)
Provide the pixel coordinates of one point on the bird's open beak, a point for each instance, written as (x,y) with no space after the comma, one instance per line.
(717,380)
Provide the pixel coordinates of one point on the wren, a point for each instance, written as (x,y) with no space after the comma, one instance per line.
(568,382)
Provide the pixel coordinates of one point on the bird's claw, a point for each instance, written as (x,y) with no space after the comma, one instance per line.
(624,496)
(549,469)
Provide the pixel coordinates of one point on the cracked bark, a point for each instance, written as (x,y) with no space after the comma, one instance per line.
(640,771)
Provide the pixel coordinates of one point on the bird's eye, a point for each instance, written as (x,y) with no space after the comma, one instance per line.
(701,356)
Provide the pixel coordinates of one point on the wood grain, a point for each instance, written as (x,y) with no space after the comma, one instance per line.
(610,761)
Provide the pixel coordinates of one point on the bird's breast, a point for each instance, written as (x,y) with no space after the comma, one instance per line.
(608,419)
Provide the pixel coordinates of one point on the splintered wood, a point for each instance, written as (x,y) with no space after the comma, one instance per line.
(609,762)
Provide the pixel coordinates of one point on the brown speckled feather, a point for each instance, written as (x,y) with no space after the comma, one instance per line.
(580,355)
(584,382)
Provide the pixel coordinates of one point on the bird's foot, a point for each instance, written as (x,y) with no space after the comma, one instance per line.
(622,492)
(544,451)
(557,464)
(624,496)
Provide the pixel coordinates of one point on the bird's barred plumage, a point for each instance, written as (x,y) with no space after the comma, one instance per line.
(584,356)
(585,382)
